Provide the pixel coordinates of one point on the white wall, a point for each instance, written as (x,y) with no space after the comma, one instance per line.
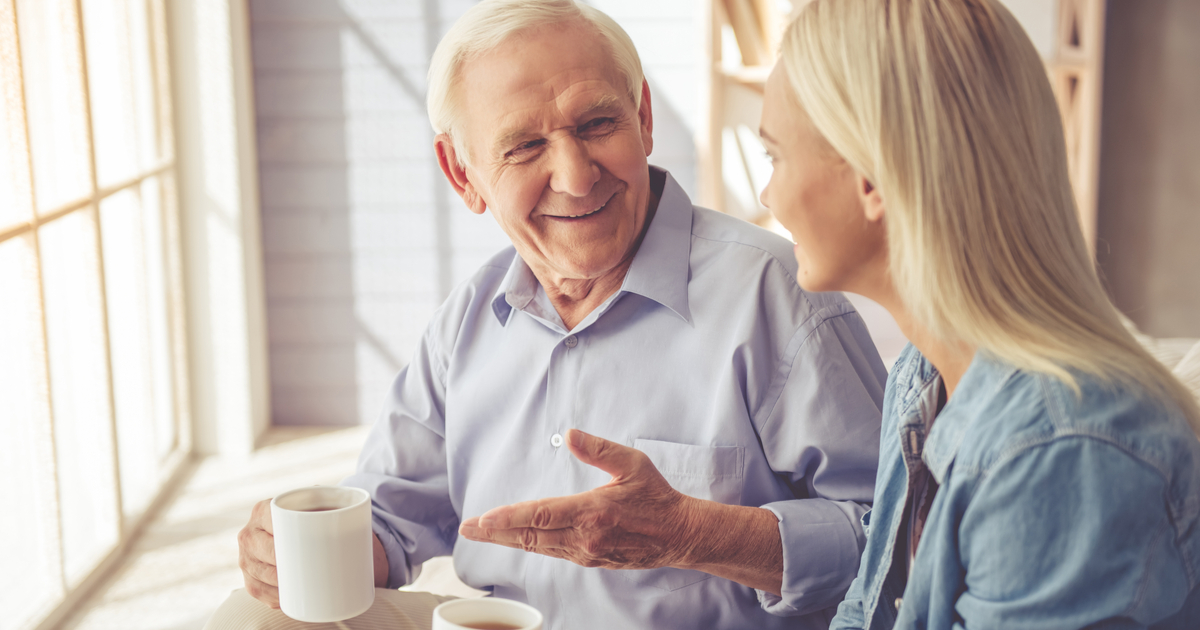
(362,238)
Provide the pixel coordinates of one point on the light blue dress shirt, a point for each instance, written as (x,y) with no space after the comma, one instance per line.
(1054,511)
(739,386)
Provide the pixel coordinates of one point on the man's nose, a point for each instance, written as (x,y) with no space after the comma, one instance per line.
(573,172)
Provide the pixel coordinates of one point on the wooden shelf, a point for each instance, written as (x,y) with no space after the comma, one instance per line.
(753,77)
(1075,72)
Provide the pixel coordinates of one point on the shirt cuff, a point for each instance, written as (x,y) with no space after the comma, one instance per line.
(822,542)
(399,571)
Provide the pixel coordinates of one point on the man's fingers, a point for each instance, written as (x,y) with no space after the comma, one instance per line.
(260,571)
(263,547)
(257,544)
(543,541)
(261,591)
(555,513)
(256,555)
(260,516)
(618,460)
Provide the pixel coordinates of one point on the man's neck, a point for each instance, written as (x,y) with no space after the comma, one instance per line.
(574,299)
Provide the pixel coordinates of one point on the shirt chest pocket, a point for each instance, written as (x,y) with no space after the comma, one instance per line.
(713,473)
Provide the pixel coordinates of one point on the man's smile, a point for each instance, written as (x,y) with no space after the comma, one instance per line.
(585,215)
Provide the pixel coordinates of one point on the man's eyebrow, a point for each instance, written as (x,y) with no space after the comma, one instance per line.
(607,104)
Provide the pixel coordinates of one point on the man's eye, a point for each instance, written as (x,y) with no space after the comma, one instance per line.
(596,124)
(525,148)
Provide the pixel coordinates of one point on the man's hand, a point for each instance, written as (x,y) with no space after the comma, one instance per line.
(635,521)
(256,555)
(638,521)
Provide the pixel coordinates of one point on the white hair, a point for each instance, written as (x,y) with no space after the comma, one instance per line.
(488,24)
(944,105)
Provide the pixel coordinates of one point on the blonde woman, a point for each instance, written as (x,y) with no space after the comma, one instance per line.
(1037,469)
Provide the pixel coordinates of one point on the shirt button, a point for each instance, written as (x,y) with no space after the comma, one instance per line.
(571,341)
(556,440)
(898,602)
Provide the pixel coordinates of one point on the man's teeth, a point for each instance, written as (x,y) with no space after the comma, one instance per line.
(587,214)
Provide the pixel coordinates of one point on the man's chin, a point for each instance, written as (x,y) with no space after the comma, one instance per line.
(592,267)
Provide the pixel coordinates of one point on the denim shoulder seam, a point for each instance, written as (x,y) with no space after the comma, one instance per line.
(1022,446)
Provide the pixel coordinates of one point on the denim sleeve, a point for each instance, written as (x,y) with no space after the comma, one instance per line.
(403,466)
(850,613)
(1070,533)
(822,435)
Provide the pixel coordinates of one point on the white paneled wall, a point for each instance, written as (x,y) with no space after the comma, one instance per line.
(362,238)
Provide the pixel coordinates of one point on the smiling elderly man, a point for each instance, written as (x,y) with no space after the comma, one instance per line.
(634,417)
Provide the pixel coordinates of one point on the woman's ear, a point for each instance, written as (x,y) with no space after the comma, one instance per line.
(872,201)
(456,173)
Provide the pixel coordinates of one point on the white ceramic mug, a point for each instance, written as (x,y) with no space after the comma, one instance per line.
(486,613)
(323,552)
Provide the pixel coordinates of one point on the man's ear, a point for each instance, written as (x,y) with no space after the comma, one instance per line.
(456,174)
(872,201)
(646,119)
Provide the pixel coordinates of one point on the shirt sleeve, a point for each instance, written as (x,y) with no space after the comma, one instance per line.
(821,433)
(403,466)
(1072,533)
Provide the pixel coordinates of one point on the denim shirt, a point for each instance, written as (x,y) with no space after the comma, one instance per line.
(1054,511)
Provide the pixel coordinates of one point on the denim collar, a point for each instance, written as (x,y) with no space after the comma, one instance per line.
(983,378)
(659,271)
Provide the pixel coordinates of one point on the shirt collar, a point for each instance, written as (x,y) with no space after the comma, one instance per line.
(660,268)
(659,271)
(983,378)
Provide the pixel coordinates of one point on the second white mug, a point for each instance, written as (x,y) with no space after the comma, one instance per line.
(486,613)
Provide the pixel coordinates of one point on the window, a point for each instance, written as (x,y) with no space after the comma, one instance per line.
(93,388)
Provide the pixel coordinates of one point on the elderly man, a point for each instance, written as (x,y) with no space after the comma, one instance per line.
(633,417)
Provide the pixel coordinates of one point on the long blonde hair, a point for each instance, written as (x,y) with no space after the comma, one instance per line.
(945,106)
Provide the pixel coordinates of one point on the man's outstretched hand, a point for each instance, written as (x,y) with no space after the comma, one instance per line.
(635,521)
